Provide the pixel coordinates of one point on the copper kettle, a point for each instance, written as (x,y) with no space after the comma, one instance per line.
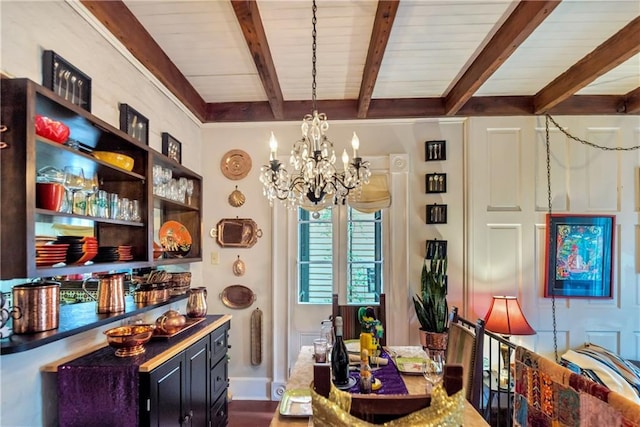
(110,295)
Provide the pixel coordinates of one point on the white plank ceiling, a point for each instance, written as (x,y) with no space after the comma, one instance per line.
(430,44)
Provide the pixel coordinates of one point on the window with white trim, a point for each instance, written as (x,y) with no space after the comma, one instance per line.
(340,246)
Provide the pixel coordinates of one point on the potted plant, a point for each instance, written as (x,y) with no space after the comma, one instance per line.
(431,304)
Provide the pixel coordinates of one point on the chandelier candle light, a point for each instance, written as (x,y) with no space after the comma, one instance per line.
(315,182)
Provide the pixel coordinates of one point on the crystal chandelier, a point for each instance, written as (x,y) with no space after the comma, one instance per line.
(315,182)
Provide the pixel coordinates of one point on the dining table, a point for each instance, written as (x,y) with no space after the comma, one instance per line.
(302,376)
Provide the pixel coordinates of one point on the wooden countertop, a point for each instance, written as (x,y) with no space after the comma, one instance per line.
(302,375)
(158,350)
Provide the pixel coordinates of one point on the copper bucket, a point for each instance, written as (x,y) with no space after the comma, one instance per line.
(36,307)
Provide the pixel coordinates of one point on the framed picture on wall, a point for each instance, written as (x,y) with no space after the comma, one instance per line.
(171,147)
(579,255)
(436,249)
(134,123)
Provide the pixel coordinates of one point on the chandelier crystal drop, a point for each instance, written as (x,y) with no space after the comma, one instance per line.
(315,182)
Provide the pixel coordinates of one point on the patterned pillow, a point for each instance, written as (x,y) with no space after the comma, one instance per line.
(606,368)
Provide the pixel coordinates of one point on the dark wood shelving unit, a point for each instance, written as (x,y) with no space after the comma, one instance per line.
(27,153)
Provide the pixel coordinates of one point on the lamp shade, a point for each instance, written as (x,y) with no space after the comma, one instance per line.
(505,317)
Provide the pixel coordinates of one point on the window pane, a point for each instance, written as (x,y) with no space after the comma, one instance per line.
(315,262)
(364,249)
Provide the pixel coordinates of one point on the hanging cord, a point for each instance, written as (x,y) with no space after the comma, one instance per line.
(549,203)
(313,57)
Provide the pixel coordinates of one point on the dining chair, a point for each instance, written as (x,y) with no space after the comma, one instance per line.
(350,323)
(379,408)
(465,347)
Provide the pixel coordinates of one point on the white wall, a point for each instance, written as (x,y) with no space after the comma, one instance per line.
(508,204)
(28,28)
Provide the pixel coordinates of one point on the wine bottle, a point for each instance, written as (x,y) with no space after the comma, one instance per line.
(339,357)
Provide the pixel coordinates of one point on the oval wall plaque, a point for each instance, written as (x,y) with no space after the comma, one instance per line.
(237,296)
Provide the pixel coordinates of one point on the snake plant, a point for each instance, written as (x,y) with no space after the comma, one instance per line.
(431,303)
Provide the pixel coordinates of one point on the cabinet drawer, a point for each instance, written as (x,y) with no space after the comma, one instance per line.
(219,411)
(219,378)
(219,344)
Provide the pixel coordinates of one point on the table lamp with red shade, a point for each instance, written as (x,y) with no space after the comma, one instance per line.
(505,317)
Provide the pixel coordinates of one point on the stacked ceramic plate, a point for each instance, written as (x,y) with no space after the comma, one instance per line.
(124,252)
(81,248)
(50,252)
(107,254)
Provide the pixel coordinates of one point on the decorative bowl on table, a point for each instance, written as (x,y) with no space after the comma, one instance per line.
(129,340)
(116,159)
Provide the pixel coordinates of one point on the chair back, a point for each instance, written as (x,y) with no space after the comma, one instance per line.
(350,323)
(465,347)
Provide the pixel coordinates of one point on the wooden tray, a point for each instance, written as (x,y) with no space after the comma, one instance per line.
(190,322)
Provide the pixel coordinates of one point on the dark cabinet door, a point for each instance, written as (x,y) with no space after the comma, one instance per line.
(167,391)
(197,376)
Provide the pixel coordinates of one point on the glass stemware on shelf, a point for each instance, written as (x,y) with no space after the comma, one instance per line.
(189,190)
(73,181)
(433,369)
(90,187)
(165,185)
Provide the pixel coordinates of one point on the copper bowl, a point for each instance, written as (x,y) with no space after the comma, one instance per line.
(129,340)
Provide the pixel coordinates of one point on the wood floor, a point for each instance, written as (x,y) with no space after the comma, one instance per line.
(251,413)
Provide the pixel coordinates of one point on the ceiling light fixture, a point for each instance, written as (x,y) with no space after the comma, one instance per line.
(315,182)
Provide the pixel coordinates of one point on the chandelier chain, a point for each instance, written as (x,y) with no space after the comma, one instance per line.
(314,181)
(590,144)
(549,205)
(313,57)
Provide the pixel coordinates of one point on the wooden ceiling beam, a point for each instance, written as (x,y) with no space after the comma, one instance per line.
(524,19)
(250,21)
(125,27)
(382,25)
(613,52)
(418,108)
(632,102)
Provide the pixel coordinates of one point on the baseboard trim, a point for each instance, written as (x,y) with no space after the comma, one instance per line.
(250,388)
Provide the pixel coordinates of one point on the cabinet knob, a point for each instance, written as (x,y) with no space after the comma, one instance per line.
(229,346)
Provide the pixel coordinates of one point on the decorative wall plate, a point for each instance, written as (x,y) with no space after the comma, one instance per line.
(237,296)
(235,164)
(175,239)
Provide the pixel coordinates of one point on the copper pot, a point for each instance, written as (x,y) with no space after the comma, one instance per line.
(36,307)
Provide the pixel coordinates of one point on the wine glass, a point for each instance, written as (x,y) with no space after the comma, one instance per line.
(433,370)
(73,181)
(189,190)
(90,187)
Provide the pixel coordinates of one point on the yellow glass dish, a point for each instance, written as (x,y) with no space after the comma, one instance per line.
(116,159)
